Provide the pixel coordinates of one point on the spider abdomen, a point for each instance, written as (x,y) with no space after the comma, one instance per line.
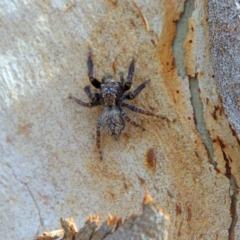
(112,122)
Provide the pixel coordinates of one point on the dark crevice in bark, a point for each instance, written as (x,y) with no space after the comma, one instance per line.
(233,196)
(200,124)
(233,209)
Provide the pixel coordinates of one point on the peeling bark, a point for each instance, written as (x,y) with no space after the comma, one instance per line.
(153,223)
(202,59)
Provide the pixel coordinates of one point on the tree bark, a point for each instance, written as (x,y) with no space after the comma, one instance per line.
(189,162)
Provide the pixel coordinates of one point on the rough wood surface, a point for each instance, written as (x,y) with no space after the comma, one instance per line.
(49,164)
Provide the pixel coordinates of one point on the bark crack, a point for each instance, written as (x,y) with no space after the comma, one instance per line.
(233,208)
(198,115)
(30,193)
(233,196)
(35,203)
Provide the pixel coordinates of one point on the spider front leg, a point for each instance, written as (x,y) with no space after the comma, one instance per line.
(132,122)
(99,140)
(142,111)
(93,80)
(128,82)
(134,93)
(85,104)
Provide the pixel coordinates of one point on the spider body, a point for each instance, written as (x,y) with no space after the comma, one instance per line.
(112,121)
(111,96)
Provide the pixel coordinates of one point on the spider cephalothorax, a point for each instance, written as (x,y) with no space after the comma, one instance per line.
(110,93)
(111,96)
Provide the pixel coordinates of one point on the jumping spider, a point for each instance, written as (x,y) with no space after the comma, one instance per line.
(111,96)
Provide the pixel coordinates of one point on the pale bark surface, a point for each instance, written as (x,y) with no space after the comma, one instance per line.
(49,164)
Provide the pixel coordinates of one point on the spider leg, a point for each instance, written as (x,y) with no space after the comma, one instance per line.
(85,104)
(121,78)
(94,97)
(98,139)
(134,93)
(128,82)
(93,80)
(104,78)
(127,118)
(142,111)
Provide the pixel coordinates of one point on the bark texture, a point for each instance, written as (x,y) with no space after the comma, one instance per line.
(50,166)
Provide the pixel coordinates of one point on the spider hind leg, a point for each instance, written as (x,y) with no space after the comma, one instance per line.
(132,122)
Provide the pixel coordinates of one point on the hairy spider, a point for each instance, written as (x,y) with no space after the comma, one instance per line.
(111,96)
